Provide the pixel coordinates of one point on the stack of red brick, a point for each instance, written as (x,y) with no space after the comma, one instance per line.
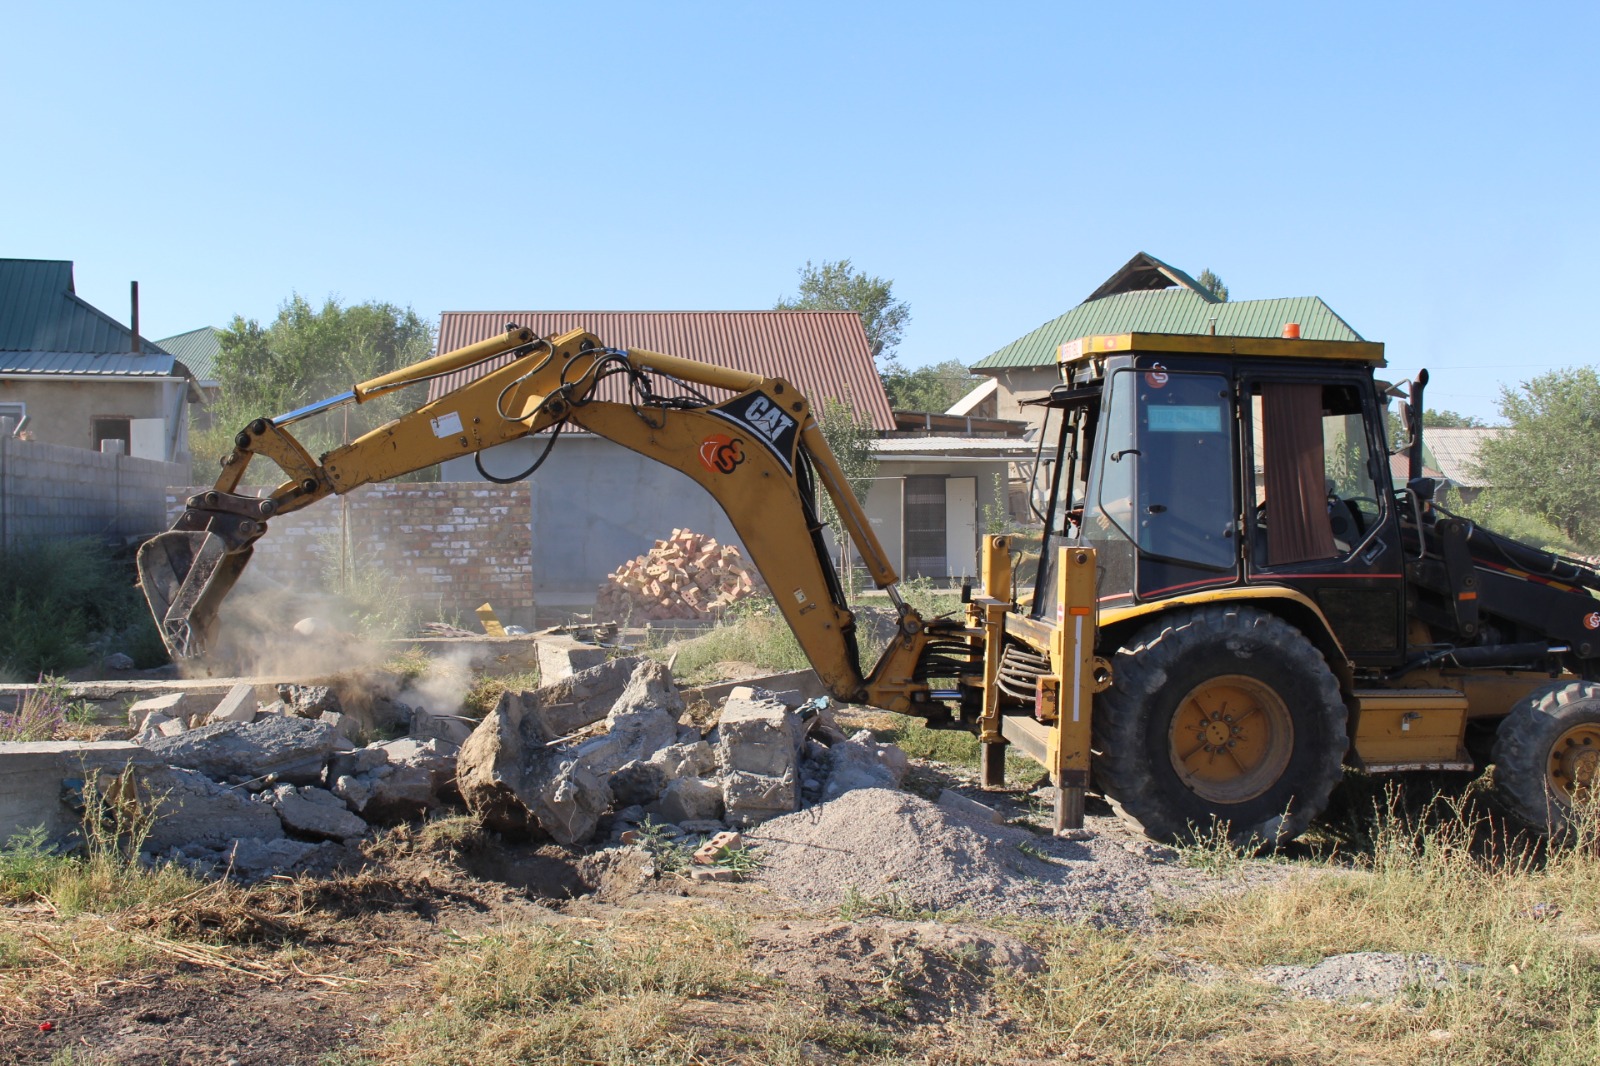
(687,576)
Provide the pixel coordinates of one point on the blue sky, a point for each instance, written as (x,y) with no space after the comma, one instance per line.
(1429,170)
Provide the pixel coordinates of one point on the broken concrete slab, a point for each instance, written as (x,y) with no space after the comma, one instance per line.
(861,762)
(239,705)
(174,705)
(515,775)
(694,759)
(803,683)
(32,776)
(563,708)
(191,809)
(315,812)
(561,656)
(751,799)
(309,701)
(451,728)
(968,808)
(689,799)
(396,780)
(293,748)
(758,734)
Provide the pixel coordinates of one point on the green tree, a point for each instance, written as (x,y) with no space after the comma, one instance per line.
(850,439)
(1213,284)
(306,354)
(926,388)
(838,286)
(1545,462)
(1450,420)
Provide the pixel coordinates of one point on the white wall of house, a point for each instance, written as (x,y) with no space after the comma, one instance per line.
(62,410)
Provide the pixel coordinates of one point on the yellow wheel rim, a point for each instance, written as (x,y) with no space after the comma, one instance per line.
(1574,761)
(1231,738)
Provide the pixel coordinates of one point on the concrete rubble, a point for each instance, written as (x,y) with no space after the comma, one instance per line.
(255,786)
(635,760)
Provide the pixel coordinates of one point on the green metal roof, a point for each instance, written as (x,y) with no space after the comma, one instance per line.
(1174,310)
(198,350)
(46,329)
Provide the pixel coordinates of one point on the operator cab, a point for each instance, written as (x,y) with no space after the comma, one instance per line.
(1196,463)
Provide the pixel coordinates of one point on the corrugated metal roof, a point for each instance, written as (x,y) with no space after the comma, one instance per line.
(198,350)
(1170,311)
(46,329)
(823,353)
(1455,452)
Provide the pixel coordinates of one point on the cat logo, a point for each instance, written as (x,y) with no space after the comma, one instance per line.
(720,453)
(763,419)
(763,415)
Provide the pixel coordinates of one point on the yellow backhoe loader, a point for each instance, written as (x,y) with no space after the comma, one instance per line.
(1234,602)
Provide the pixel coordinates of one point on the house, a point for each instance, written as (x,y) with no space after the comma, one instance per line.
(596,504)
(198,350)
(80,378)
(1145,295)
(1453,452)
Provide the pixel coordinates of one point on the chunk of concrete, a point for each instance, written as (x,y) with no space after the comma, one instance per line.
(32,777)
(515,776)
(637,782)
(316,812)
(862,762)
(758,734)
(293,748)
(689,799)
(970,809)
(561,656)
(751,799)
(685,760)
(309,701)
(152,727)
(173,705)
(450,728)
(566,706)
(239,705)
(190,808)
(398,780)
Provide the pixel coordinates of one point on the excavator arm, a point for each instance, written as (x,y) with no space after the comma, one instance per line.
(759,454)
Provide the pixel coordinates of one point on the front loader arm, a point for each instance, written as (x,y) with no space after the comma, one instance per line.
(758,453)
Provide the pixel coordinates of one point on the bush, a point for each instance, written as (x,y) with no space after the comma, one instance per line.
(59,597)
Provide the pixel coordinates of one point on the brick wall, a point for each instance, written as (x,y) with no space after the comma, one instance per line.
(51,490)
(447,546)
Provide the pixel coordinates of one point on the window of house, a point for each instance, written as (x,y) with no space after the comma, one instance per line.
(113,428)
(11,416)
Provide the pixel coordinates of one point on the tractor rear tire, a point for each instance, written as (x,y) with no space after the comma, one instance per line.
(1220,716)
(1546,754)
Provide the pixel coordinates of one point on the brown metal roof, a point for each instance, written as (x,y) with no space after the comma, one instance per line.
(822,353)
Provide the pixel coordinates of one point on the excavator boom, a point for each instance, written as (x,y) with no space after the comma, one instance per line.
(759,453)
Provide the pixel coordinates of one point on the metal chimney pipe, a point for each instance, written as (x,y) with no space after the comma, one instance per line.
(135,294)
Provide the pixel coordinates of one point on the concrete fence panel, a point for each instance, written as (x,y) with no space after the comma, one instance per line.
(50,490)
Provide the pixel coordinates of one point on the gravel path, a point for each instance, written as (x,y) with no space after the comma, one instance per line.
(911,854)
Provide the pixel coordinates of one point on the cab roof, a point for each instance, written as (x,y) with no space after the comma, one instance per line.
(1368,352)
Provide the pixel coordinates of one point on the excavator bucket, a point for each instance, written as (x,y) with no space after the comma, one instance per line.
(185,576)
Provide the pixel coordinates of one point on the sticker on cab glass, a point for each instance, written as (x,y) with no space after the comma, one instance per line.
(1592,620)
(1157,377)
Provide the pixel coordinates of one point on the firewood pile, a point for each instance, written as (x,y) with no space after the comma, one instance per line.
(687,576)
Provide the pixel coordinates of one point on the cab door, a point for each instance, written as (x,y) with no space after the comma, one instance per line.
(1320,513)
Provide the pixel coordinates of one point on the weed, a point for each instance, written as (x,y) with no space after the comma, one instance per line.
(751,632)
(40,713)
(56,595)
(410,664)
(485,691)
(669,853)
(742,860)
(856,905)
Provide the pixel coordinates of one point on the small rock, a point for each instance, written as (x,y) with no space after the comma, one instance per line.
(309,701)
(117,661)
(239,705)
(172,705)
(689,799)
(316,812)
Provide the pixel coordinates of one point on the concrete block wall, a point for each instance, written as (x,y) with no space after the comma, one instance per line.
(446,546)
(51,490)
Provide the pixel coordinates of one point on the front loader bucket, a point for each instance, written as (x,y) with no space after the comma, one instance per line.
(185,576)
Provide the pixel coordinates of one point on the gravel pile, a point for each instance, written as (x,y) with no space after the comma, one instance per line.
(900,849)
(1365,975)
